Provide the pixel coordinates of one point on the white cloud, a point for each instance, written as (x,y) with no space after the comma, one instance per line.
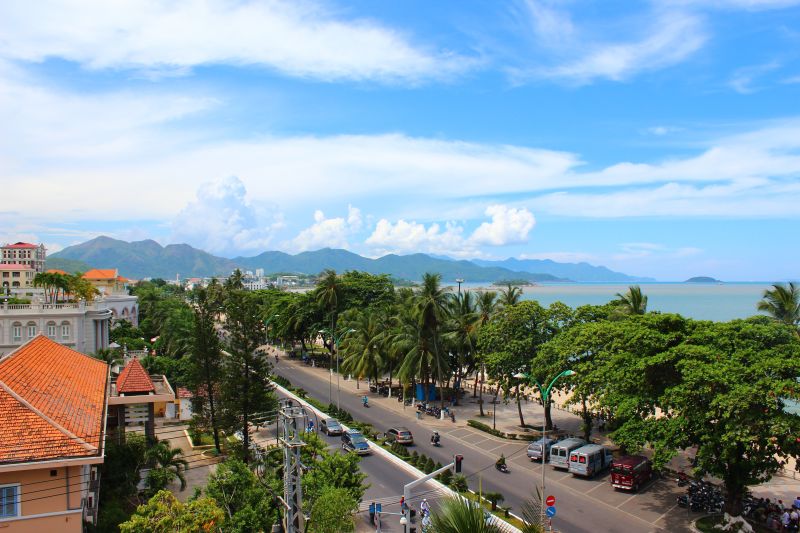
(663,38)
(222,220)
(328,232)
(743,80)
(508,226)
(298,38)
(660,131)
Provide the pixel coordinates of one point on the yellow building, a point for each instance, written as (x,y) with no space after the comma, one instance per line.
(53,403)
(16,276)
(107,281)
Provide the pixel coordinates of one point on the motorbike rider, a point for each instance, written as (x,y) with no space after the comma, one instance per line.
(500,464)
(365,401)
(435,438)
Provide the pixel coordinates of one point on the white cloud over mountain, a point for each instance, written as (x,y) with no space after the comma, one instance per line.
(328,232)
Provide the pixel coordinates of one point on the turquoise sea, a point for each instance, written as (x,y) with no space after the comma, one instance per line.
(704,301)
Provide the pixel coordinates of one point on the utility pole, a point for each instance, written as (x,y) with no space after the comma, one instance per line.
(293,423)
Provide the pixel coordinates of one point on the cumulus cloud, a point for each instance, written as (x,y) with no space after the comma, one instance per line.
(222,220)
(298,38)
(328,232)
(508,225)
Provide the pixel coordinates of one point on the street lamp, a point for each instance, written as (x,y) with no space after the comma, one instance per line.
(545,398)
(459,281)
(336,339)
(403,521)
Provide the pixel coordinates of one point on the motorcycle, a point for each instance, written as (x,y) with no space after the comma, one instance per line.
(435,440)
(502,467)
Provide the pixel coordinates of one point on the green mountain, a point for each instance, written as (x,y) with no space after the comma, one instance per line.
(67,265)
(147,258)
(574,271)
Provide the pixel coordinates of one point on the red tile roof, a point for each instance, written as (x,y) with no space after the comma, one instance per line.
(52,403)
(21,245)
(183,392)
(15,266)
(101,273)
(134,379)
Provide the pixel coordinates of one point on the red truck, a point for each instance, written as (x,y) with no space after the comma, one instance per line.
(630,472)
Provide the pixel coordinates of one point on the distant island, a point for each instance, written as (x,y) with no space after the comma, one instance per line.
(514,282)
(702,279)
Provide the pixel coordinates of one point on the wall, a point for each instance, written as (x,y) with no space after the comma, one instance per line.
(43,493)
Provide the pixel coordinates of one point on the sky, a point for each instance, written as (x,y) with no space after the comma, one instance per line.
(656,138)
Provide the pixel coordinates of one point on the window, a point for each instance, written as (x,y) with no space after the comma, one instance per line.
(31,330)
(16,331)
(65,331)
(582,459)
(15,274)
(51,330)
(573,458)
(9,501)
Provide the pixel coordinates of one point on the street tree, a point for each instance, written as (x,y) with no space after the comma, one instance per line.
(333,512)
(163,512)
(782,302)
(632,302)
(248,505)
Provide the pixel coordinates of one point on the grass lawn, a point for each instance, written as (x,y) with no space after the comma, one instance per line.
(203,439)
(488,506)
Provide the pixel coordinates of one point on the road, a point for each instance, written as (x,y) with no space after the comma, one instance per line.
(583,506)
(386,482)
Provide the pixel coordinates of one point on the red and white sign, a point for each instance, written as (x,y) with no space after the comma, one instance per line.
(550,501)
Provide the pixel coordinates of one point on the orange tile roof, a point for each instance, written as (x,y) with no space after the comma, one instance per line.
(55,271)
(52,403)
(183,392)
(134,379)
(101,273)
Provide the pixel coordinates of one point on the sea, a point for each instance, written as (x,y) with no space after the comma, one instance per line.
(701,301)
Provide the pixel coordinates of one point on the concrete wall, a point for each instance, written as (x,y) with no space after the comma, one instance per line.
(42,493)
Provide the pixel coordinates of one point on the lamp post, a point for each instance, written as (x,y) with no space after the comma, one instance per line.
(266,324)
(459,281)
(545,398)
(336,339)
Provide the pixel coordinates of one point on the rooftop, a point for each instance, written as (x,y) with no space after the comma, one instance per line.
(101,273)
(52,403)
(21,245)
(134,379)
(15,266)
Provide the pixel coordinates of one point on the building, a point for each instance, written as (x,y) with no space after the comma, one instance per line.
(16,276)
(82,326)
(137,398)
(183,402)
(24,253)
(113,289)
(53,404)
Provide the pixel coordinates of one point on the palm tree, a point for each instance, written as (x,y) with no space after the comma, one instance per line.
(782,302)
(110,356)
(169,459)
(487,307)
(432,312)
(632,302)
(328,295)
(362,348)
(457,515)
(462,333)
(510,295)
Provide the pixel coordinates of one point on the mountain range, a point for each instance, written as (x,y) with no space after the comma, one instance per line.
(141,259)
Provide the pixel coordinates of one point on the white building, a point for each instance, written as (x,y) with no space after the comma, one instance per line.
(81,326)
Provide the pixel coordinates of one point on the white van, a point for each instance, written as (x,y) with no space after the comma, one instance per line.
(559,452)
(589,460)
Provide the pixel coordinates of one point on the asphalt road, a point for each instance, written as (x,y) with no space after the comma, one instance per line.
(386,482)
(583,505)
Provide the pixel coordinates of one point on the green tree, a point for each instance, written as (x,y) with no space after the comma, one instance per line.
(509,296)
(246,391)
(329,295)
(461,336)
(168,464)
(206,363)
(361,290)
(632,302)
(110,356)
(457,515)
(363,348)
(333,512)
(163,512)
(334,470)
(247,504)
(782,303)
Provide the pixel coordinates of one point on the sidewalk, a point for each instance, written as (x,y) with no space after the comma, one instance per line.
(507,420)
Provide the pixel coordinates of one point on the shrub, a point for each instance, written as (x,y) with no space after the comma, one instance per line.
(494,498)
(459,483)
(282,381)
(446,477)
(414,458)
(429,466)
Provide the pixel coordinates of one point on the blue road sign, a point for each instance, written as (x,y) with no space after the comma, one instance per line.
(550,511)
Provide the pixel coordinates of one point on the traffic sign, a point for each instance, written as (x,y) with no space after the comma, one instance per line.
(550,511)
(550,501)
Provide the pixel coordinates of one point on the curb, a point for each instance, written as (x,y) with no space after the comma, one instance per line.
(505,526)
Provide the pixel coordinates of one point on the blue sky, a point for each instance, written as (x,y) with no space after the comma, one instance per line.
(657,138)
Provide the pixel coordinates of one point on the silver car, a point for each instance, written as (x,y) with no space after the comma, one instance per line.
(535,449)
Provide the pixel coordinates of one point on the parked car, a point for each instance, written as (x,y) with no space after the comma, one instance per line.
(353,441)
(559,452)
(589,460)
(630,472)
(400,435)
(535,448)
(330,426)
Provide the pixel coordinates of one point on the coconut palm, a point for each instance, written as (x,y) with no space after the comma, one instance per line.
(110,356)
(462,333)
(328,295)
(362,349)
(457,515)
(632,302)
(487,307)
(782,303)
(432,312)
(168,460)
(510,295)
